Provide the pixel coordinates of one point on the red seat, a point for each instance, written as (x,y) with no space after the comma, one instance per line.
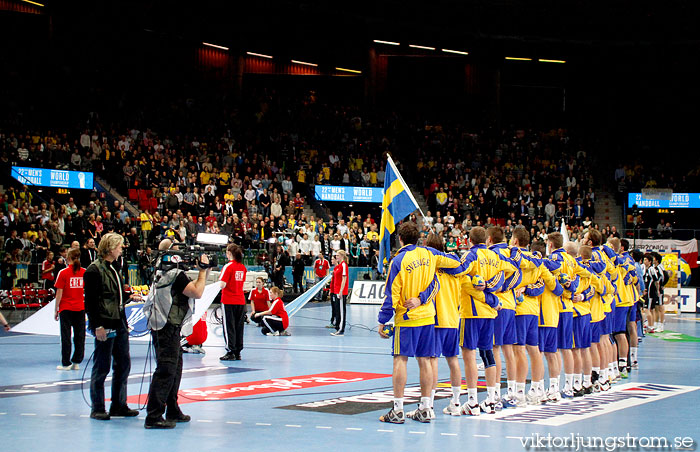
(133,194)
(144,194)
(153,204)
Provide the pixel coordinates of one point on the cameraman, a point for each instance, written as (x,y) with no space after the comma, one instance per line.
(105,299)
(165,383)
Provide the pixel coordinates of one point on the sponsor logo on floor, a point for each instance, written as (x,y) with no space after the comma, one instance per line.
(620,397)
(364,403)
(75,384)
(252,388)
(673,336)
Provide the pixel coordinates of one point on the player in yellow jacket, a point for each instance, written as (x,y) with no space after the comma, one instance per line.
(477,313)
(505,330)
(526,321)
(565,267)
(603,266)
(446,330)
(549,299)
(582,325)
(623,303)
(410,291)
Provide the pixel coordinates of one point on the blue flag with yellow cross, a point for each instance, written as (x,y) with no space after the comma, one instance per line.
(398,203)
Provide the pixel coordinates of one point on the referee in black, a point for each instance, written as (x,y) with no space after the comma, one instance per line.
(165,383)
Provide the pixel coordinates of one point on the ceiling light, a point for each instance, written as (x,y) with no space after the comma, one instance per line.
(551,61)
(259,55)
(214,45)
(455,51)
(421,47)
(33,3)
(387,42)
(518,59)
(304,63)
(348,70)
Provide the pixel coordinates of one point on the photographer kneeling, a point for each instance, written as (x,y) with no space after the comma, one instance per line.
(169,308)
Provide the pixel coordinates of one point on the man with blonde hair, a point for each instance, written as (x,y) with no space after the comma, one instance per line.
(105,300)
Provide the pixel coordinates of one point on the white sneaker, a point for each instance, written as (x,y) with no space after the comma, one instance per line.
(470,410)
(69,367)
(533,399)
(75,366)
(452,409)
(285,333)
(487,407)
(198,349)
(338,333)
(520,400)
(554,396)
(431,413)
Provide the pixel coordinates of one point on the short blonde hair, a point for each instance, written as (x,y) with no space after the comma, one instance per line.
(108,243)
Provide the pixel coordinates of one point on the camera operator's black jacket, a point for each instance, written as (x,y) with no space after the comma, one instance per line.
(103,304)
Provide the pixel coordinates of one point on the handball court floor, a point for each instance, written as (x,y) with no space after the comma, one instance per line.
(336,407)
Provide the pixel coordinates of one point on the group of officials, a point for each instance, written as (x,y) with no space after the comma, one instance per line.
(573,304)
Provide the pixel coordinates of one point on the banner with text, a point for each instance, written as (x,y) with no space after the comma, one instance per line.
(688,248)
(367,292)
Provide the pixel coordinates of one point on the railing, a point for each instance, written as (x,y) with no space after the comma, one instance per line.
(675,234)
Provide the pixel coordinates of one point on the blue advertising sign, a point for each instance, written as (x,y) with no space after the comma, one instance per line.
(677,201)
(349,194)
(42,177)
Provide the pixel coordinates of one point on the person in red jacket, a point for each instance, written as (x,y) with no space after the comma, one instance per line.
(233,302)
(70,310)
(259,300)
(339,292)
(275,320)
(321,267)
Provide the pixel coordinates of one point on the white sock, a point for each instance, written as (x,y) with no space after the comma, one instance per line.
(577,381)
(492,394)
(511,388)
(623,363)
(471,397)
(455,394)
(554,384)
(568,382)
(611,371)
(587,381)
(603,375)
(398,404)
(616,369)
(432,398)
(424,403)
(497,396)
(633,354)
(558,378)
(520,389)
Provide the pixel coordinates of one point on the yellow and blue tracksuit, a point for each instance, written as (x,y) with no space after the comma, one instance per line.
(412,274)
(504,330)
(546,292)
(477,308)
(599,285)
(447,318)
(582,309)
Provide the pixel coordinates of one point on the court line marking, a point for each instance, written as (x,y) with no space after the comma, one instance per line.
(84,415)
(448,434)
(233,422)
(514,437)
(27,414)
(416,432)
(57,414)
(204,420)
(354,428)
(482,436)
(324,427)
(262,423)
(292,425)
(387,431)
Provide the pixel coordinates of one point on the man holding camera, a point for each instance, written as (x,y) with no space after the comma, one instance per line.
(172,291)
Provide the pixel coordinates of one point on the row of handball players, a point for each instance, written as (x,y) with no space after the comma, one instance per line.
(573,304)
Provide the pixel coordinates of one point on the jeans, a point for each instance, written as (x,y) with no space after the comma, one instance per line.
(116,348)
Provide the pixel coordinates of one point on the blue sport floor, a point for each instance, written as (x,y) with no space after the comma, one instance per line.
(256,405)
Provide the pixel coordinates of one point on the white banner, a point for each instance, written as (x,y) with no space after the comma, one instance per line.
(367,292)
(687,248)
(686,299)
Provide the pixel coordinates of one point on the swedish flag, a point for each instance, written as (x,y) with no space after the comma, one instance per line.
(397,204)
